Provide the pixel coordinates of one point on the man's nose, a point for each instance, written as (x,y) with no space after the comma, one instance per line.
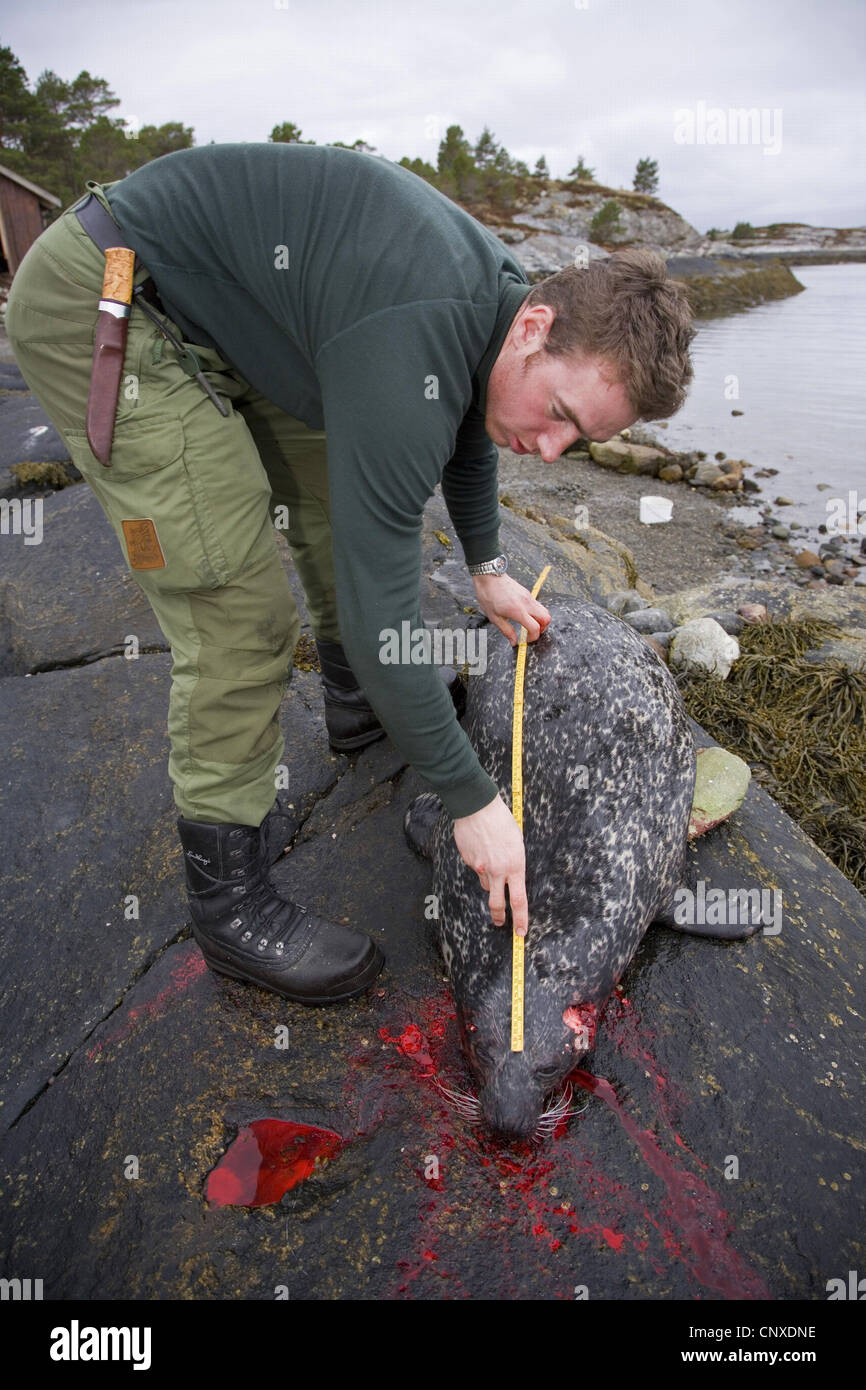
(554,442)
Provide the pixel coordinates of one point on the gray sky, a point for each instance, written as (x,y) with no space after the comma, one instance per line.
(609,79)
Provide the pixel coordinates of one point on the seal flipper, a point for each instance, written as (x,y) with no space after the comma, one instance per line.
(722,931)
(420,822)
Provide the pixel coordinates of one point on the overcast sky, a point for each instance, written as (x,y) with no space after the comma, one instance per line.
(613,80)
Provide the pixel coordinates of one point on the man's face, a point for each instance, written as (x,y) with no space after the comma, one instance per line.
(537,404)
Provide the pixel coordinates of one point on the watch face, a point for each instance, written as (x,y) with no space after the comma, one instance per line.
(499,564)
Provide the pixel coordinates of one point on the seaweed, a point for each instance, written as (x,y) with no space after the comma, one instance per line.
(801,726)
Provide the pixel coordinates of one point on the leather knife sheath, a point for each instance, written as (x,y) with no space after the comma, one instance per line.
(109,350)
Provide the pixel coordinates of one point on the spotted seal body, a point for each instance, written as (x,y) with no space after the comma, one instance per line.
(608,776)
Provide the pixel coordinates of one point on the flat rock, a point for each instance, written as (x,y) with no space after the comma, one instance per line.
(122,1046)
(69,598)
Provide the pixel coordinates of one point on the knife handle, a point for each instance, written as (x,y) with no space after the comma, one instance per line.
(117,280)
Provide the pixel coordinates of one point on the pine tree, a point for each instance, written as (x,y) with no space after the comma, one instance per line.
(582,170)
(646,176)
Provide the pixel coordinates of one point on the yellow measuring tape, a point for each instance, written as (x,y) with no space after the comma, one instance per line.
(517,812)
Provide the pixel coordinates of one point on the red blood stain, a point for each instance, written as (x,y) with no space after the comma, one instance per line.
(268,1158)
(411,1042)
(184,973)
(693,1205)
(505,1194)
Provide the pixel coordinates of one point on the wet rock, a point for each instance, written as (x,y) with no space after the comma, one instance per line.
(805,559)
(834,546)
(671,473)
(88,858)
(124,1046)
(70,597)
(727,482)
(627,457)
(187,1059)
(11,379)
(706,474)
(781,533)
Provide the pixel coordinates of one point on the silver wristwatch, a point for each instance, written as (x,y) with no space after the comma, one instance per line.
(497,566)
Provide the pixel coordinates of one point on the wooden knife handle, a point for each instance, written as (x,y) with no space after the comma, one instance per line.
(117,281)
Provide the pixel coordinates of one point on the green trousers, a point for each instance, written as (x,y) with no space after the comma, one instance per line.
(195,499)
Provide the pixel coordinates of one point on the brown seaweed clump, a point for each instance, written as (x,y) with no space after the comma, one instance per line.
(801,726)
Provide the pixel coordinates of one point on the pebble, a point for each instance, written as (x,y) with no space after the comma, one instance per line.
(634,604)
(753,612)
(731,622)
(648,620)
(706,474)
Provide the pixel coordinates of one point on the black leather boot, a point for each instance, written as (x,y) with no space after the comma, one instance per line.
(246,929)
(349,718)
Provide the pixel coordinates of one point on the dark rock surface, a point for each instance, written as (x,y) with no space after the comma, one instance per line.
(123,1053)
(70,598)
(26,436)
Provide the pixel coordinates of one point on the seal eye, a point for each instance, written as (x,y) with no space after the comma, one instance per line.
(547,1073)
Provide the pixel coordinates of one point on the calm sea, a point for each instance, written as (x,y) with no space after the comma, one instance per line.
(800,369)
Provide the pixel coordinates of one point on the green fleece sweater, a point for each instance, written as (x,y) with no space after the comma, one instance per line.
(363,302)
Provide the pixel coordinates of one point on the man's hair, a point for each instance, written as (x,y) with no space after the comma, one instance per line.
(627,310)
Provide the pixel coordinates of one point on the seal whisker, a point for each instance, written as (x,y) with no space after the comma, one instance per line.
(466,1104)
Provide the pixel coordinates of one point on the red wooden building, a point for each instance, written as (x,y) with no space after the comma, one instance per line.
(24,210)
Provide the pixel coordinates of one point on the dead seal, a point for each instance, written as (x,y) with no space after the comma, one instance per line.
(609,771)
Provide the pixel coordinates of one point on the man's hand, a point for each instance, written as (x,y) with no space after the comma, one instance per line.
(491,843)
(500,597)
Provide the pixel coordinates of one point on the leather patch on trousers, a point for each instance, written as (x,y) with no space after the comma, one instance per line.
(142,545)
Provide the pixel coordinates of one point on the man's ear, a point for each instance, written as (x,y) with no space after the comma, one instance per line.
(534,327)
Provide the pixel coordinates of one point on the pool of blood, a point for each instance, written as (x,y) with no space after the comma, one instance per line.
(549,1194)
(267,1159)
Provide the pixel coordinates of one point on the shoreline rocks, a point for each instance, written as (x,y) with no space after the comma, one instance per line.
(810,555)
